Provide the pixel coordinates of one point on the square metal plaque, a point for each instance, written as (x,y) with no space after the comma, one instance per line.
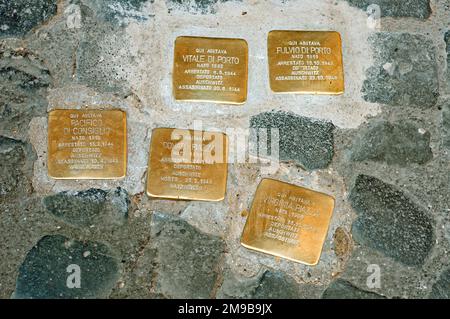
(87,144)
(308,62)
(288,221)
(187,164)
(210,70)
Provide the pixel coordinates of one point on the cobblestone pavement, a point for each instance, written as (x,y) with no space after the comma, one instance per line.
(382,149)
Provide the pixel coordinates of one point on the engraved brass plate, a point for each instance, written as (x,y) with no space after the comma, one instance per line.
(210,70)
(87,144)
(307,62)
(288,221)
(187,164)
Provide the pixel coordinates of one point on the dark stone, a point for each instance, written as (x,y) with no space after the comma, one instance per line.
(77,208)
(12,160)
(17,17)
(342,289)
(16,168)
(44,275)
(187,260)
(308,142)
(390,222)
(236,287)
(405,8)
(441,288)
(269,284)
(276,285)
(394,143)
(94,206)
(446,126)
(404,71)
(23,84)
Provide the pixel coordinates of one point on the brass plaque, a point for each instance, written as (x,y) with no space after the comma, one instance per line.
(187,164)
(210,70)
(307,62)
(87,144)
(288,221)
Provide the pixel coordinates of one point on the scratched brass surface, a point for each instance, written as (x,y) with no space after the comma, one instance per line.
(308,62)
(87,144)
(288,221)
(187,164)
(210,70)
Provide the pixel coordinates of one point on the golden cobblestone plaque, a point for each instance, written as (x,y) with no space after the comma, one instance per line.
(187,164)
(288,221)
(87,144)
(210,70)
(308,62)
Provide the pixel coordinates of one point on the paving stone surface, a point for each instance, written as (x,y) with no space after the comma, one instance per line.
(441,289)
(20,16)
(390,222)
(404,72)
(24,80)
(381,149)
(187,260)
(400,143)
(270,284)
(305,141)
(94,206)
(58,267)
(341,289)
